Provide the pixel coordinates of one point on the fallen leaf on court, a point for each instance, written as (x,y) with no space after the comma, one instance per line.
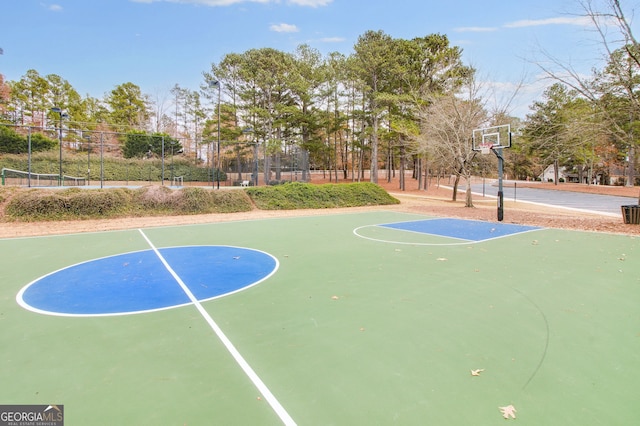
(477,372)
(236,257)
(508,411)
(335,297)
(442,259)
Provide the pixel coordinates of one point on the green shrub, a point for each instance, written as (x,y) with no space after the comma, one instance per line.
(298,195)
(194,200)
(231,201)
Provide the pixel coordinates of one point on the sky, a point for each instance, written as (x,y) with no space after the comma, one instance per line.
(156,44)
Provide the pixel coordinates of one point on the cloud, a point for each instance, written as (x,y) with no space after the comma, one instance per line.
(284,28)
(475,29)
(53,7)
(311,3)
(578,20)
(213,3)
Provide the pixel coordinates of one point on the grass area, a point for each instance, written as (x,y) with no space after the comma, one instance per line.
(21,204)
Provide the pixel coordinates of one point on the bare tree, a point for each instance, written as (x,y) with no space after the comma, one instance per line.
(160,119)
(619,79)
(449,123)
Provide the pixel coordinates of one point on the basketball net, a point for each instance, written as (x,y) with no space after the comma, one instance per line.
(485,149)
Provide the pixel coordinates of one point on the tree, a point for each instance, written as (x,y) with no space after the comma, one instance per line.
(13,143)
(622,54)
(194,114)
(372,57)
(5,96)
(620,80)
(128,106)
(545,129)
(229,74)
(139,144)
(309,74)
(266,94)
(61,93)
(93,111)
(28,99)
(423,68)
(449,120)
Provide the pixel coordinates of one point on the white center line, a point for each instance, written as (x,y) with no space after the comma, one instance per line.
(264,390)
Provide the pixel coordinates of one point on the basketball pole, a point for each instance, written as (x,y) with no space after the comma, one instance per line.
(498,153)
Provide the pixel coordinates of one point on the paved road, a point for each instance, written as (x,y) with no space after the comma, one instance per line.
(606,204)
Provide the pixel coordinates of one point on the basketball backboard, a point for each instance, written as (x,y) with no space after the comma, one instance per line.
(488,138)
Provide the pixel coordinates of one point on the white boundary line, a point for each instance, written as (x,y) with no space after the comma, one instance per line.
(20,296)
(259,384)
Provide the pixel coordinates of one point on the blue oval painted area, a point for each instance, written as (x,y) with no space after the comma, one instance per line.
(140,281)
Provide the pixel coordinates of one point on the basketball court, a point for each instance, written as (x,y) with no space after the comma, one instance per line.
(363,318)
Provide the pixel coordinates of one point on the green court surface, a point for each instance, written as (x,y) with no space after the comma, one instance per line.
(359,325)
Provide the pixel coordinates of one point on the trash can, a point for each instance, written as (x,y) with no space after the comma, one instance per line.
(631,214)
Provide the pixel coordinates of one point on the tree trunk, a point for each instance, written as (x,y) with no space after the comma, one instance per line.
(373,171)
(402,166)
(468,198)
(455,188)
(335,155)
(389,164)
(632,169)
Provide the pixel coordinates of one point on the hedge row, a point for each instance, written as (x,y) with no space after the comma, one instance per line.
(78,203)
(298,195)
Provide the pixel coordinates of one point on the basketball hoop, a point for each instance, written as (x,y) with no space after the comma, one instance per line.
(494,138)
